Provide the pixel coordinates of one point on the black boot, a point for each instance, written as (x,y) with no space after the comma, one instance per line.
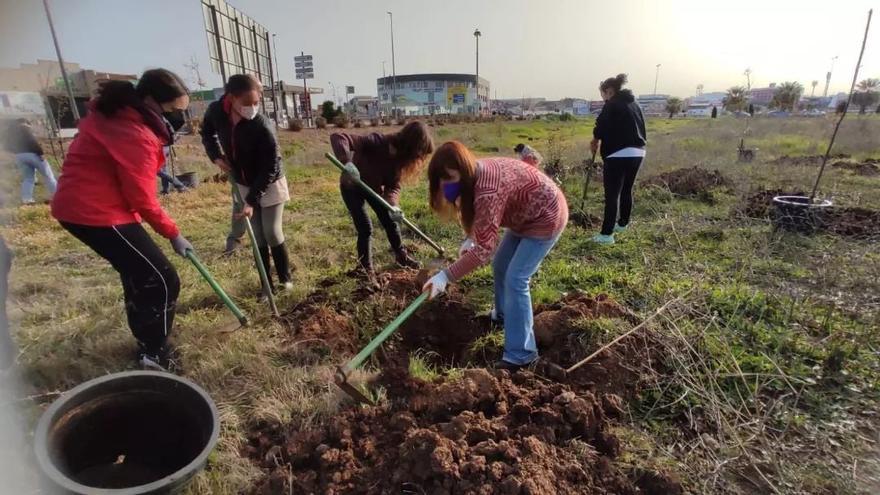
(282,266)
(404,259)
(265,257)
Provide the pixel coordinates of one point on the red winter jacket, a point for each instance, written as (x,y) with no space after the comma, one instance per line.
(109,175)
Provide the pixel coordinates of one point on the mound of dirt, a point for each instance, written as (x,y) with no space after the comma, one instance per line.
(853,222)
(806,159)
(694,182)
(584,220)
(868,168)
(323,328)
(759,204)
(485,433)
(402,284)
(555,321)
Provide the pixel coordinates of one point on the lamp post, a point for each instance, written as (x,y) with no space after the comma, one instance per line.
(479,107)
(748,74)
(828,76)
(656,78)
(393,68)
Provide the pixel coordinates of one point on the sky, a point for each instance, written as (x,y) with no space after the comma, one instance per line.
(528,48)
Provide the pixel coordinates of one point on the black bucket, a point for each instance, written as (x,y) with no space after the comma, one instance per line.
(799,213)
(189,179)
(131,433)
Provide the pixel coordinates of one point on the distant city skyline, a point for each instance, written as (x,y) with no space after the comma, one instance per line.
(528,48)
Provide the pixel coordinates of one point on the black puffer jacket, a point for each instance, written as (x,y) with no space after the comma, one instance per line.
(251,148)
(620,124)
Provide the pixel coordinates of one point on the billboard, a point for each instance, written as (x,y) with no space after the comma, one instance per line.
(455,95)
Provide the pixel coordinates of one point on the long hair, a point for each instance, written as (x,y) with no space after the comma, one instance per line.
(453,156)
(160,84)
(412,145)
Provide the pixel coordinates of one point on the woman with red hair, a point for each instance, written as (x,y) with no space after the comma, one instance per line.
(486,195)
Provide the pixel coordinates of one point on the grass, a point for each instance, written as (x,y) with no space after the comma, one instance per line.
(795,315)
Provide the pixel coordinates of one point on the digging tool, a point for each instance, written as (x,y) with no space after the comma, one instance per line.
(342,372)
(559,373)
(590,166)
(264,277)
(242,319)
(385,204)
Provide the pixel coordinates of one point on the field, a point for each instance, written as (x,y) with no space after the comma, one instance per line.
(761,377)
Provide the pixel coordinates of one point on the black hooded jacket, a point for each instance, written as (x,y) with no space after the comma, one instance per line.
(20,139)
(251,148)
(620,124)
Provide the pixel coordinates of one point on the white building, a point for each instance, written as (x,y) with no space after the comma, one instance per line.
(429,94)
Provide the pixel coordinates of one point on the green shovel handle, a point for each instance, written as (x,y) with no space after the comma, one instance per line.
(191,255)
(371,347)
(261,270)
(379,199)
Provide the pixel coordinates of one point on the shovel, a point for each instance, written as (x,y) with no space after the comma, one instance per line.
(242,319)
(264,277)
(364,187)
(342,372)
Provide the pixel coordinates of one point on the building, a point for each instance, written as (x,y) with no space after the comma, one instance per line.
(761,97)
(702,105)
(429,94)
(365,107)
(653,104)
(42,81)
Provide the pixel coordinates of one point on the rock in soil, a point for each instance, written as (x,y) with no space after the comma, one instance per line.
(694,182)
(485,433)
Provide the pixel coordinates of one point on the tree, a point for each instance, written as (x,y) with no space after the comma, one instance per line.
(329,110)
(867,94)
(673,106)
(736,99)
(813,90)
(787,95)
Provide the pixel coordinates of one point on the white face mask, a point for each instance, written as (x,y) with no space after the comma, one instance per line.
(250,112)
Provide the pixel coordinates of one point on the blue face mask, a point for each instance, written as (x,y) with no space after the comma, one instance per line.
(451,191)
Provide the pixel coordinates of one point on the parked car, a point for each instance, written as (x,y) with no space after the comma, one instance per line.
(813,113)
(779,114)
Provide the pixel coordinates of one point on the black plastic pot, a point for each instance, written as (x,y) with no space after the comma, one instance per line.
(189,179)
(799,214)
(132,433)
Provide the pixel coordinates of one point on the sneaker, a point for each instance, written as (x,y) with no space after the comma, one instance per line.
(287,286)
(620,228)
(495,318)
(511,367)
(153,362)
(603,239)
(403,259)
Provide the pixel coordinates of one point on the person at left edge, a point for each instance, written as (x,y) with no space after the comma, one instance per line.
(108,186)
(241,142)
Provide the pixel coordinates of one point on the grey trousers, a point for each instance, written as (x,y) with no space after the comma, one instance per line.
(266,222)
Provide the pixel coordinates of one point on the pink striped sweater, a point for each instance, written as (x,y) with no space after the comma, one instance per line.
(513,194)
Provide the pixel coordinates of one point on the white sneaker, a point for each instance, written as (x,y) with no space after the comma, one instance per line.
(287,286)
(151,362)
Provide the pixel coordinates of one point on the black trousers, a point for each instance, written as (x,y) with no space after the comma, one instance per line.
(356,201)
(7,346)
(149,281)
(619,175)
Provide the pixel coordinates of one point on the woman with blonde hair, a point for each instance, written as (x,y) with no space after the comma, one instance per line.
(486,195)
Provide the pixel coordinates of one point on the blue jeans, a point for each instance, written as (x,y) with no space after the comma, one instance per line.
(169,180)
(30,164)
(516,260)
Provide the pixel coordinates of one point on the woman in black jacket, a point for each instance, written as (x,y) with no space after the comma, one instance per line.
(241,142)
(620,136)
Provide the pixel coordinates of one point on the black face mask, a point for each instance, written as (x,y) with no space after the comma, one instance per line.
(176,118)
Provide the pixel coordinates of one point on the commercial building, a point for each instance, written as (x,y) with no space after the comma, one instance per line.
(761,97)
(653,104)
(702,105)
(430,94)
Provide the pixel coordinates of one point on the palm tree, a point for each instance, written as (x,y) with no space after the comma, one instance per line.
(736,99)
(673,106)
(787,95)
(867,94)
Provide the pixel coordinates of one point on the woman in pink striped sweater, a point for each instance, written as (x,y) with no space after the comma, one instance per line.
(486,195)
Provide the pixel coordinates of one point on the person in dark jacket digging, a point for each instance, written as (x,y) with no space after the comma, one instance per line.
(242,143)
(381,161)
(619,135)
(20,141)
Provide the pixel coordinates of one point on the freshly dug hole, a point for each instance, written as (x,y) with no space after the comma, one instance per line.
(694,182)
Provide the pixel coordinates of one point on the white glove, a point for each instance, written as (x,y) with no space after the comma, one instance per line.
(352,170)
(396,214)
(437,284)
(181,245)
(466,246)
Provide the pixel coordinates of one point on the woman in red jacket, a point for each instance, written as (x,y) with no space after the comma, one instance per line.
(486,195)
(108,186)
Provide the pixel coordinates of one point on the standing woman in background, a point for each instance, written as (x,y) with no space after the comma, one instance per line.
(620,135)
(241,142)
(382,161)
(108,185)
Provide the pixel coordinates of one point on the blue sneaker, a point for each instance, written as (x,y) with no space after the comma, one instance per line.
(603,239)
(620,228)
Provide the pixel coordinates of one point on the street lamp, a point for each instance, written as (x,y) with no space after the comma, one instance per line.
(479,108)
(828,76)
(748,74)
(656,77)
(393,66)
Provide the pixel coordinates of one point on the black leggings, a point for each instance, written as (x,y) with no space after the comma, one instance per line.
(619,175)
(149,281)
(356,201)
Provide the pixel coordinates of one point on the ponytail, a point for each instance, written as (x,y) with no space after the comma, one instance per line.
(616,83)
(116,95)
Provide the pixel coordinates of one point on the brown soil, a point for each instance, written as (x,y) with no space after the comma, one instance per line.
(316,325)
(806,159)
(694,182)
(760,204)
(853,222)
(401,284)
(584,219)
(486,433)
(868,168)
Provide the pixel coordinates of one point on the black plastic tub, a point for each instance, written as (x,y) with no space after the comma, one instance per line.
(131,433)
(189,179)
(799,214)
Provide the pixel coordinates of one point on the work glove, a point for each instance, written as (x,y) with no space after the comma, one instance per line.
(181,245)
(352,171)
(466,246)
(437,284)
(396,214)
